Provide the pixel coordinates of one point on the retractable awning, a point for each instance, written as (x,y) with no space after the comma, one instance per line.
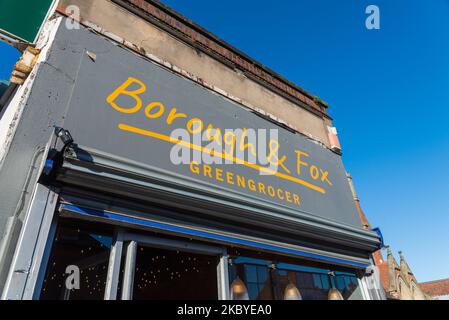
(88,169)
(222,237)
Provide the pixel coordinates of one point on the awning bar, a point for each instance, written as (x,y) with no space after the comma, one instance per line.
(207,235)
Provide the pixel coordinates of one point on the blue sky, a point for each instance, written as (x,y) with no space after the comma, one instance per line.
(8,57)
(388,91)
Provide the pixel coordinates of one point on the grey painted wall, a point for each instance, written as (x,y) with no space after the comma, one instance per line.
(45,107)
(94,123)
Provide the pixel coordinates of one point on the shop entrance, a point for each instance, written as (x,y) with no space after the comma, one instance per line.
(96,261)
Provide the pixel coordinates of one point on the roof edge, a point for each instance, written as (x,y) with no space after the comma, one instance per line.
(435,281)
(190,32)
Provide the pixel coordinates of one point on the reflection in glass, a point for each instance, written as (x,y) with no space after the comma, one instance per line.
(267,279)
(238,290)
(256,278)
(334,294)
(292,293)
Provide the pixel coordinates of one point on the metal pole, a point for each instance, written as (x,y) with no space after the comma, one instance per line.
(114,267)
(128,276)
(223,277)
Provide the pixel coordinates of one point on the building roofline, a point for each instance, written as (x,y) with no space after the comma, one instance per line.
(435,281)
(188,31)
(435,288)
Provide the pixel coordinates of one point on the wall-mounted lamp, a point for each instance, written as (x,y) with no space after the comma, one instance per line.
(291,292)
(238,290)
(64,135)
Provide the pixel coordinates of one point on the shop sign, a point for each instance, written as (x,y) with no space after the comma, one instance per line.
(22,20)
(129,107)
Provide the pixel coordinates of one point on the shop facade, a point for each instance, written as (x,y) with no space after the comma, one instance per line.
(139,190)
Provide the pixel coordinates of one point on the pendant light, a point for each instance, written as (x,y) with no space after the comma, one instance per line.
(291,292)
(238,290)
(334,294)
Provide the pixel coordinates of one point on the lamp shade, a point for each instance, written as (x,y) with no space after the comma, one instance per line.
(291,292)
(334,294)
(238,290)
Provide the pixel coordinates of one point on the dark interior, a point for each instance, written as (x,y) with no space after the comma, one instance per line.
(174,275)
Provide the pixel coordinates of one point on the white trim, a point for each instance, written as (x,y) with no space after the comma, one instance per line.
(223,277)
(128,274)
(12,111)
(28,256)
(115,257)
(364,288)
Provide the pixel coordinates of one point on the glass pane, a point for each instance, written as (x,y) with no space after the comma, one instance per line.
(282,273)
(265,288)
(313,280)
(347,282)
(317,281)
(325,281)
(250,273)
(253,291)
(78,249)
(173,275)
(257,280)
(262,274)
(281,278)
(305,280)
(340,283)
(352,289)
(313,294)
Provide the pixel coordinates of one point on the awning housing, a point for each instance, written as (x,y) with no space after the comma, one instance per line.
(104,187)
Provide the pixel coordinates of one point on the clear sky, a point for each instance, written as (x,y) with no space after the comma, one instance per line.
(388,91)
(8,57)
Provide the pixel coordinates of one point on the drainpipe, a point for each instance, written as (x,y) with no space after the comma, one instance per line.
(362,216)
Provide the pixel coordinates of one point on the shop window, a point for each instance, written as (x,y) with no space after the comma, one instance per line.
(313,286)
(267,279)
(78,263)
(256,276)
(346,284)
(174,275)
(258,282)
(281,279)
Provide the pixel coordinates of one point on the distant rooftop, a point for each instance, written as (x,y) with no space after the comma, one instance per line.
(436,288)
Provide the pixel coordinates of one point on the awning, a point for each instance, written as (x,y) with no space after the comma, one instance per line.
(121,179)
